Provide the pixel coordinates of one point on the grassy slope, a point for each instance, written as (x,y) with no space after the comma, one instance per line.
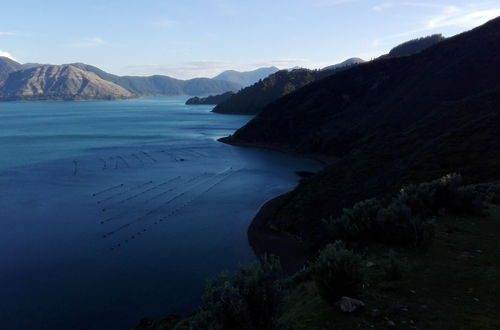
(453,285)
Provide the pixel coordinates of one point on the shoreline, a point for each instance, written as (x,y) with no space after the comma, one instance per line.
(325,160)
(265,241)
(262,239)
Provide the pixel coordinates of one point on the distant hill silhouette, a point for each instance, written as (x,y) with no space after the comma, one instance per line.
(248,78)
(388,122)
(210,100)
(416,45)
(346,63)
(253,99)
(59,82)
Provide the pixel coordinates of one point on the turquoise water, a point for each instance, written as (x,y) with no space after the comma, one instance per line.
(115,211)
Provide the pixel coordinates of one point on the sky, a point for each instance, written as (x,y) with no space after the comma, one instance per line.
(201,38)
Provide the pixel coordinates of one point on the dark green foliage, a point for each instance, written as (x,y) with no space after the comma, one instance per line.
(337,272)
(396,225)
(252,99)
(416,45)
(408,219)
(446,193)
(210,100)
(246,300)
(355,223)
(490,192)
(393,268)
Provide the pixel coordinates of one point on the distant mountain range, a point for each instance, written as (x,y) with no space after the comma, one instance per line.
(248,78)
(385,123)
(80,81)
(163,85)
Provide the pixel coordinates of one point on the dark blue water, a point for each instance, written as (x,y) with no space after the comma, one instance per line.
(115,211)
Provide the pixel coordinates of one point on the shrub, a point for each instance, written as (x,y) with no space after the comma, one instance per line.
(354,223)
(397,225)
(337,272)
(246,300)
(393,268)
(447,193)
(408,219)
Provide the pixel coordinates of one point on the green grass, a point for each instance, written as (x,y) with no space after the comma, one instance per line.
(455,284)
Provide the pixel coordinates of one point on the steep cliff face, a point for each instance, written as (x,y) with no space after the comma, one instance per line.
(64,82)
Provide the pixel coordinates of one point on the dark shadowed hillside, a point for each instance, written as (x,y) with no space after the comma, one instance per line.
(416,45)
(389,122)
(210,100)
(252,99)
(347,63)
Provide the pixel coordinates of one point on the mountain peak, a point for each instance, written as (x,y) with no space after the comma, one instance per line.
(246,78)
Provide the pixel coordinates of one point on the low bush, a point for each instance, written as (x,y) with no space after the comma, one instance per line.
(393,268)
(446,193)
(246,300)
(408,219)
(397,225)
(337,272)
(355,223)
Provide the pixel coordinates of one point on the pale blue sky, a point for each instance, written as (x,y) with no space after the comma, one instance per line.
(188,38)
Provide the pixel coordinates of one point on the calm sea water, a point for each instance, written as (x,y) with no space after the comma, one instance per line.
(115,211)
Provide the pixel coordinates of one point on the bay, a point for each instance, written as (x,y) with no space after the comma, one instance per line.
(115,211)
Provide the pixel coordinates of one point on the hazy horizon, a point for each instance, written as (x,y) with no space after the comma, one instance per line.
(204,38)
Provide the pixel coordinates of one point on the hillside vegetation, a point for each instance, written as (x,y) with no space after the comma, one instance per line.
(253,99)
(449,282)
(210,100)
(388,122)
(416,45)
